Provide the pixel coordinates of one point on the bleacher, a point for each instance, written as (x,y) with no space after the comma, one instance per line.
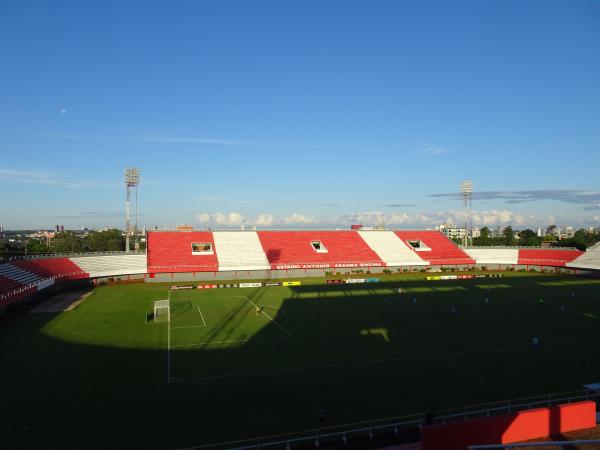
(503,256)
(435,248)
(239,250)
(112,265)
(547,257)
(317,249)
(6,284)
(391,249)
(18,274)
(171,251)
(57,268)
(588,260)
(206,251)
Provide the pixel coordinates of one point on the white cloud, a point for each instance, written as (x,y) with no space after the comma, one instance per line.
(300,219)
(264,220)
(370,218)
(232,219)
(48,178)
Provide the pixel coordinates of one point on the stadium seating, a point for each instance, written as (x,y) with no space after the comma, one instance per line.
(391,249)
(547,257)
(6,284)
(589,260)
(439,249)
(505,256)
(239,250)
(111,265)
(19,274)
(58,268)
(171,251)
(293,249)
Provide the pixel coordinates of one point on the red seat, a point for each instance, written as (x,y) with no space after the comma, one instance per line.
(6,284)
(547,257)
(62,268)
(443,250)
(171,251)
(293,249)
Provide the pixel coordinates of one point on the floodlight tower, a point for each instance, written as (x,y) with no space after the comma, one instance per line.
(132,179)
(466,190)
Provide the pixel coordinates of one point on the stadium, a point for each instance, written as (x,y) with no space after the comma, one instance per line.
(299,225)
(243,339)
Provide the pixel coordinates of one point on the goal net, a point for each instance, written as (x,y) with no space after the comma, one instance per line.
(162,311)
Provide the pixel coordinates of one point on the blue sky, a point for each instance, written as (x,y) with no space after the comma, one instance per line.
(299,114)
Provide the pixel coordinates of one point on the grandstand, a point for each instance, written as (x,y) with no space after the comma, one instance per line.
(588,260)
(501,256)
(239,250)
(317,249)
(547,257)
(392,250)
(205,254)
(435,247)
(110,266)
(172,251)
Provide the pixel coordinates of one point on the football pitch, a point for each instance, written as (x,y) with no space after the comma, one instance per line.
(243,362)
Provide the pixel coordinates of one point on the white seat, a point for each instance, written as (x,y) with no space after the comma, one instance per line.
(19,275)
(507,256)
(112,265)
(589,260)
(239,250)
(390,248)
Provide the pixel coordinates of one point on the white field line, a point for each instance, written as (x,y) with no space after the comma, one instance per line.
(201,315)
(270,318)
(189,326)
(200,344)
(169,348)
(199,299)
(383,361)
(210,343)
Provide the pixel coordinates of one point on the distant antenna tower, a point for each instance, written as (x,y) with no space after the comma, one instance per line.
(466,190)
(132,179)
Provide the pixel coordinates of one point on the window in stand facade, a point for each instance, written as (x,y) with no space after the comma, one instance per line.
(418,246)
(318,246)
(202,248)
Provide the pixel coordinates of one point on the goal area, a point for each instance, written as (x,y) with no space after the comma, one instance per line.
(162,311)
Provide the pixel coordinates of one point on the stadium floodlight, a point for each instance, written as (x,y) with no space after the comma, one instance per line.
(162,311)
(132,179)
(132,176)
(466,190)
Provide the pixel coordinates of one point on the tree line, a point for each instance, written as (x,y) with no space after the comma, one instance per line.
(582,238)
(68,242)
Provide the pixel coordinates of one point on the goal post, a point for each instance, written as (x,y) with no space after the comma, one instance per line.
(162,311)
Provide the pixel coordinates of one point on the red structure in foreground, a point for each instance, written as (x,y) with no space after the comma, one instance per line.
(510,428)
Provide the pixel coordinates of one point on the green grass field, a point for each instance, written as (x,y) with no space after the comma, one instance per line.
(96,377)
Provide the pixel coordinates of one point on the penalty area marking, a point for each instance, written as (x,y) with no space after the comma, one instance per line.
(193,326)
(210,343)
(269,317)
(201,315)
(201,344)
